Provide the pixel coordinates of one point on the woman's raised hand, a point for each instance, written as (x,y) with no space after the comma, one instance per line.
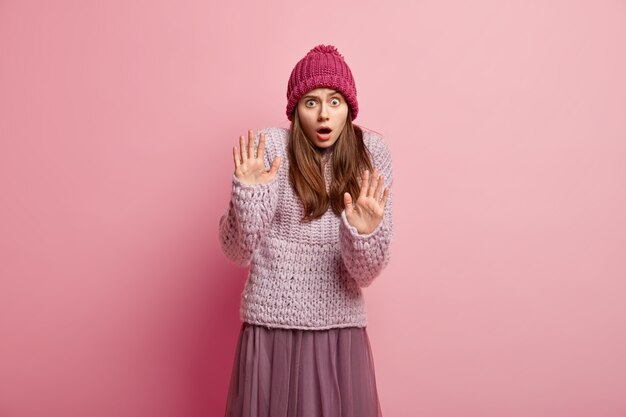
(250,170)
(368,211)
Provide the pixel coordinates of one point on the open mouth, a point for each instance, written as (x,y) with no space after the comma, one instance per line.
(323,133)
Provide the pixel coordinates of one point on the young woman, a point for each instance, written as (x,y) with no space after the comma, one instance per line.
(310,214)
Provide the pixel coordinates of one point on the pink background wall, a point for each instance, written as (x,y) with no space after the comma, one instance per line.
(506,121)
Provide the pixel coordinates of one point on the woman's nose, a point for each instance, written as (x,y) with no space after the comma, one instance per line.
(323,113)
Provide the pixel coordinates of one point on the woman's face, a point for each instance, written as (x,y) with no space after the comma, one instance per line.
(323,113)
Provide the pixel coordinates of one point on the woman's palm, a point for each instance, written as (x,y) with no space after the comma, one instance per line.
(249,169)
(369,209)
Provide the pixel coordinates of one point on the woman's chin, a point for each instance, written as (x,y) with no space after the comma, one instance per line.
(323,145)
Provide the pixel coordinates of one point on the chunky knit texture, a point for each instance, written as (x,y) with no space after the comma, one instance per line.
(322,66)
(303,275)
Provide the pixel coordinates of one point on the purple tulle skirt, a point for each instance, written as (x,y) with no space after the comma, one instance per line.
(303,373)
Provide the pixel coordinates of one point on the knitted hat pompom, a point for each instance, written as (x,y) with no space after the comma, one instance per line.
(323,66)
(325,49)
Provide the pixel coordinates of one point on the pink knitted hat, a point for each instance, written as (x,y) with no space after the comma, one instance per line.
(323,66)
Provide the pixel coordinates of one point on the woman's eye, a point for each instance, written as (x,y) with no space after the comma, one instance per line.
(310,101)
(335,101)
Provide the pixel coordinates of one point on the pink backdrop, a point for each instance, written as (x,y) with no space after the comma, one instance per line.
(506,121)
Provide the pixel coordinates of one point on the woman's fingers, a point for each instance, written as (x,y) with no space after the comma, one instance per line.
(250,144)
(364,183)
(247,150)
(372,184)
(261,148)
(372,187)
(236,157)
(379,187)
(383,203)
(347,202)
(242,147)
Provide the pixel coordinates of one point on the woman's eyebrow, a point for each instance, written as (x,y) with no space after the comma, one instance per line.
(331,94)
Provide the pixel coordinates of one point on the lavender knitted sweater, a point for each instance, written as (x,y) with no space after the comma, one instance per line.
(303,275)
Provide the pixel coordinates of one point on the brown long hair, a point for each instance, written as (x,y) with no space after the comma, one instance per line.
(350,158)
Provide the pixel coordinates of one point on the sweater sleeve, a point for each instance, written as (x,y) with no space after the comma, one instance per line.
(366,255)
(250,212)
